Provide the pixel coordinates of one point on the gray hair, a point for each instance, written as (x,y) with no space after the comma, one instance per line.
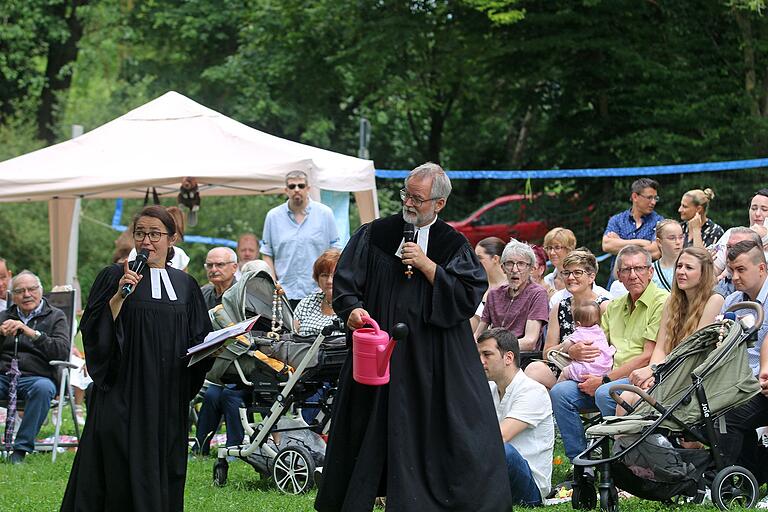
(631,250)
(753,235)
(441,183)
(296,175)
(230,252)
(517,248)
(26,273)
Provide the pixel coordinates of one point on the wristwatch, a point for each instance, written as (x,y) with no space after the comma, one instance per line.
(606,379)
(37,335)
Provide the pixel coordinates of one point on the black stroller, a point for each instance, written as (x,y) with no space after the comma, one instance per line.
(643,453)
(285,373)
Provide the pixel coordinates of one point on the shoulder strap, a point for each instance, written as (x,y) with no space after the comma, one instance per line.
(662,278)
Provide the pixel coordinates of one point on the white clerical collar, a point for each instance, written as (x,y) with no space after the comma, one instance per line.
(160,275)
(422,238)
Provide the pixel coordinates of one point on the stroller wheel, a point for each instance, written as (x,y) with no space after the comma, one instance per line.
(293,470)
(584,496)
(220,470)
(735,486)
(609,499)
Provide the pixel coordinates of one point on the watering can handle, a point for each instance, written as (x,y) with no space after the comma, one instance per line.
(370,321)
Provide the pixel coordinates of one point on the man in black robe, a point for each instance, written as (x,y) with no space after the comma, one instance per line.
(429,440)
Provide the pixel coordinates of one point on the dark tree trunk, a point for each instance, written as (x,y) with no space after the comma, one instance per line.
(61,54)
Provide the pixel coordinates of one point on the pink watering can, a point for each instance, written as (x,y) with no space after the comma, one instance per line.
(371,350)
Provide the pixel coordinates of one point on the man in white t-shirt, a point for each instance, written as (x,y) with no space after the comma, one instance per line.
(525,417)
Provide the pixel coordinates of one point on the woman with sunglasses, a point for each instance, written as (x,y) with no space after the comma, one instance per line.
(579,271)
(136,330)
(520,306)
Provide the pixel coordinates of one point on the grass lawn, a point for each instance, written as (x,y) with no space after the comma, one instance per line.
(38,485)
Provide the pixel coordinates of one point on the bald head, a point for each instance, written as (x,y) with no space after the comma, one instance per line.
(220,265)
(247,248)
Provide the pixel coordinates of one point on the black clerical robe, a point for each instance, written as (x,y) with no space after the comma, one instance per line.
(429,440)
(133,452)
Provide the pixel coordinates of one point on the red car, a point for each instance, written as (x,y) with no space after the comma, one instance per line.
(505,217)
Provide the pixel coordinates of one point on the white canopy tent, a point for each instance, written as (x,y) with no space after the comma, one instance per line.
(158,144)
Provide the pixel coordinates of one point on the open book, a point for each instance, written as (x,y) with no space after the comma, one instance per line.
(217,339)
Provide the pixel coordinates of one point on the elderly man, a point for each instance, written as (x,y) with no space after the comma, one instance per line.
(218,401)
(295,234)
(220,265)
(429,439)
(631,324)
(5,281)
(521,306)
(524,412)
(636,226)
(42,333)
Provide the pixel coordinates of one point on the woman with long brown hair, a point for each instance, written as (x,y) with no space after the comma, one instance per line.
(692,305)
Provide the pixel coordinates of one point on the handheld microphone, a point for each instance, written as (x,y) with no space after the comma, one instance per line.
(137,266)
(409,234)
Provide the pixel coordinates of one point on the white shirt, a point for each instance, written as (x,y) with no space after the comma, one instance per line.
(422,238)
(528,401)
(559,295)
(179,261)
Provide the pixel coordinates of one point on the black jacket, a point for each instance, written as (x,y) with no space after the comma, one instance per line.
(53,344)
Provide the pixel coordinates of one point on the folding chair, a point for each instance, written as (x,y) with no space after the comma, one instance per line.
(65,301)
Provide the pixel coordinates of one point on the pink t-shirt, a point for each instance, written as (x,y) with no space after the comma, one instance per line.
(600,366)
(503,311)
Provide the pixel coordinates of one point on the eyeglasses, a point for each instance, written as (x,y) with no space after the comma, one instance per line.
(30,289)
(520,265)
(417,201)
(578,273)
(154,236)
(650,198)
(550,248)
(624,272)
(217,264)
(300,186)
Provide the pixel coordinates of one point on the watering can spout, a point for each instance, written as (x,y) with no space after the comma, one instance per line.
(399,333)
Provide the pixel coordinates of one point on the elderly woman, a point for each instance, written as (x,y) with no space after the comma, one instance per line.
(579,271)
(698,230)
(314,311)
(520,306)
(558,242)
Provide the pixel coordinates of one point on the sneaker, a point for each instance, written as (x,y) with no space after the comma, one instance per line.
(763,503)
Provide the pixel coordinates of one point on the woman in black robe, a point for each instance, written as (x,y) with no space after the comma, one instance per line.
(133,452)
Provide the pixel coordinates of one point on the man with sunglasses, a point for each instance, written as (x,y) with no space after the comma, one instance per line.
(636,226)
(296,233)
(429,439)
(43,335)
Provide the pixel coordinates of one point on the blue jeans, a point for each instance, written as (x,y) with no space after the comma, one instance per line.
(568,400)
(521,482)
(220,401)
(37,393)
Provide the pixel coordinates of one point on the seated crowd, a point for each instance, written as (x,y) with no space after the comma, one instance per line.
(668,280)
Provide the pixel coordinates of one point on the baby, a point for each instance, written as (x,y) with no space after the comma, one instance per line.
(587,320)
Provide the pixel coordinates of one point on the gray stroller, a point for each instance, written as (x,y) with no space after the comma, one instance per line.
(645,451)
(285,373)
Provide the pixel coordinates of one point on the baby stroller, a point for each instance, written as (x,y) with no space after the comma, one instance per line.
(285,373)
(643,453)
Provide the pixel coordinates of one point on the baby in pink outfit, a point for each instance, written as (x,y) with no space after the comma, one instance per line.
(587,320)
